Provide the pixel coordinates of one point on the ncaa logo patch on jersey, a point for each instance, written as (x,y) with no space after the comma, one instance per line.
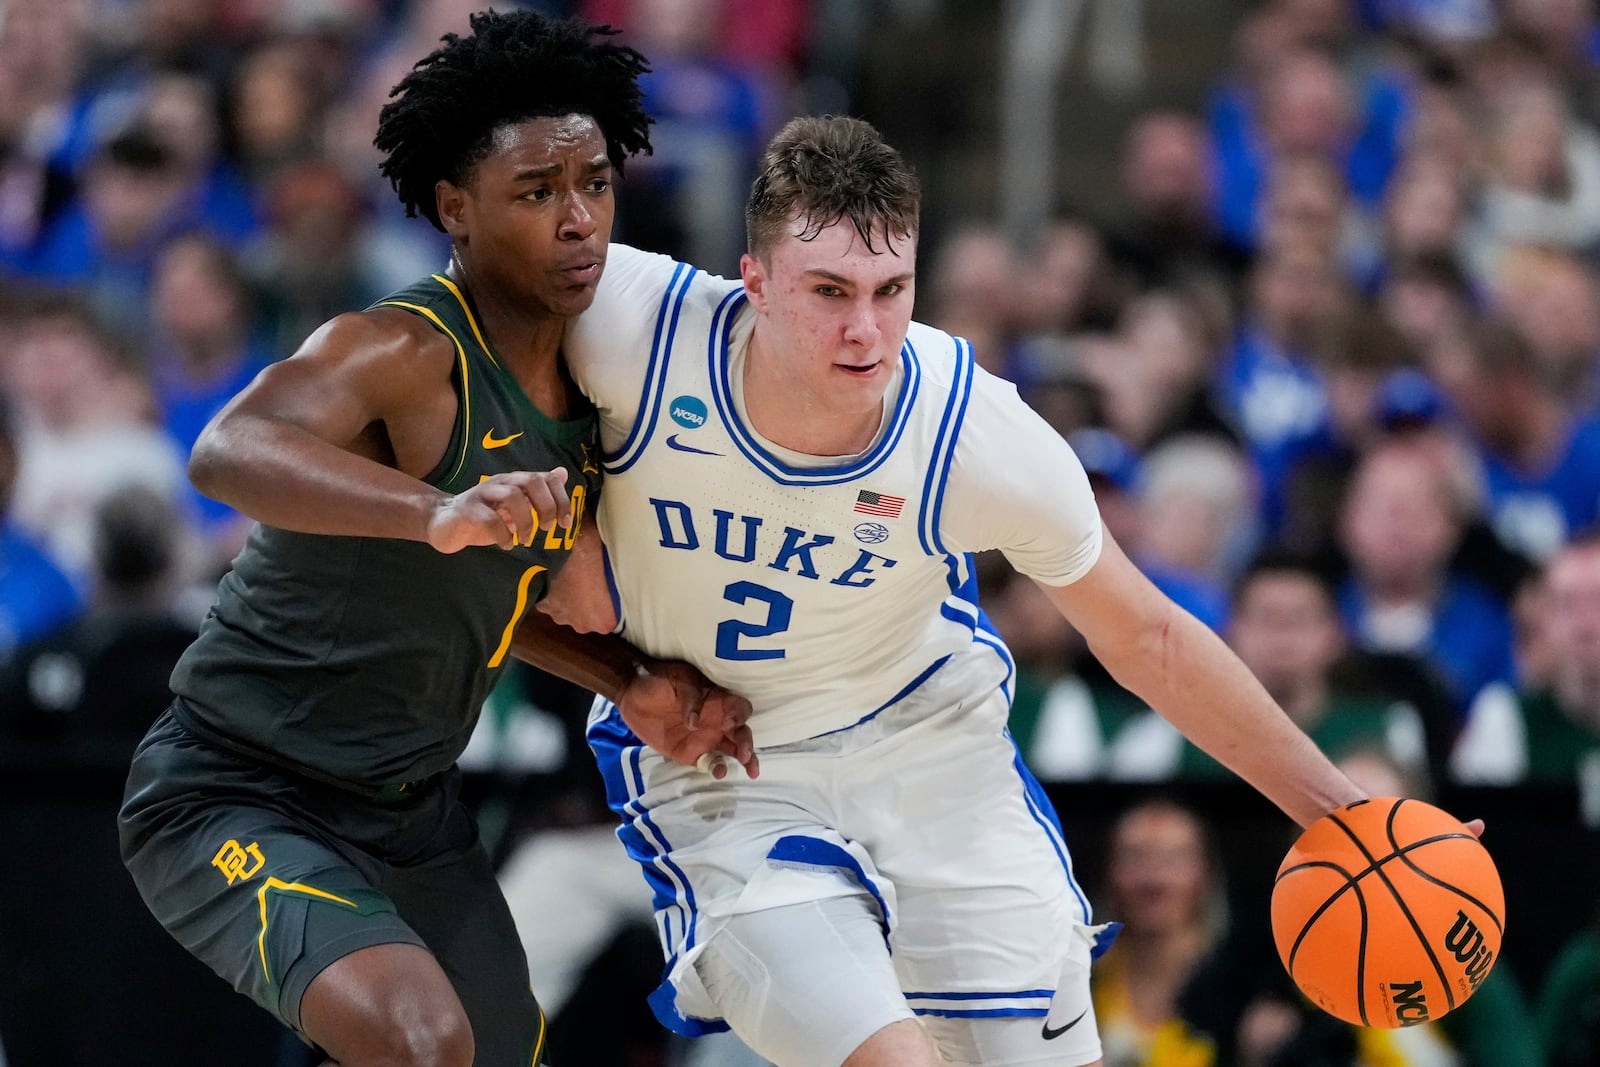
(689,412)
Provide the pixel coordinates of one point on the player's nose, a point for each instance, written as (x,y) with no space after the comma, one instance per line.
(861,325)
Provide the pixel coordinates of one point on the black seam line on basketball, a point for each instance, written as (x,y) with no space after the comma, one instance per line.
(1388,831)
(1361,960)
(1372,866)
(1349,883)
(1462,893)
(1416,927)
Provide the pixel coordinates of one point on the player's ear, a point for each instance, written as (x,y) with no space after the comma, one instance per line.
(450,201)
(755,280)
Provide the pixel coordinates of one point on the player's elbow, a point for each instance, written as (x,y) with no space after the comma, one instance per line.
(212,460)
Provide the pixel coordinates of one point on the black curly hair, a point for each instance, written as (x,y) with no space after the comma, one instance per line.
(442,117)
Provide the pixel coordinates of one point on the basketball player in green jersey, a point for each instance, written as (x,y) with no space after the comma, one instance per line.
(419,471)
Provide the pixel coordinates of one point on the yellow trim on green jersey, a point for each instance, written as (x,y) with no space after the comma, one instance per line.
(461,356)
(471,319)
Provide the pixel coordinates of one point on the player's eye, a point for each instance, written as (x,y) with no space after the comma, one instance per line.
(539,194)
(891,290)
(829,290)
(599,185)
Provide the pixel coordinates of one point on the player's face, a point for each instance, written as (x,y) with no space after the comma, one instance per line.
(535,217)
(834,312)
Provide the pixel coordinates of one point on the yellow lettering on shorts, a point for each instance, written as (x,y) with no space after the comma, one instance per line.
(238,863)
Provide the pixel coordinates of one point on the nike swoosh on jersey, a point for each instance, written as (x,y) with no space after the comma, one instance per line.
(1051,1035)
(491,441)
(672,442)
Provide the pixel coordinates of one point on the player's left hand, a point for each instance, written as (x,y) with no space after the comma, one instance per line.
(676,710)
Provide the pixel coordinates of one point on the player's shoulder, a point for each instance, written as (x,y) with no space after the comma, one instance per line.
(949,360)
(635,274)
(388,335)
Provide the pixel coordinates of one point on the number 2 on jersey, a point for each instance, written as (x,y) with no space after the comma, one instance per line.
(729,632)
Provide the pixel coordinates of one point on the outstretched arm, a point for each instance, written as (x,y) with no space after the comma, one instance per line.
(1183,670)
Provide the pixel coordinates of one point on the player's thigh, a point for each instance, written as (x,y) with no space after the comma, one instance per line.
(242,884)
(805,984)
(1061,1034)
(986,898)
(456,904)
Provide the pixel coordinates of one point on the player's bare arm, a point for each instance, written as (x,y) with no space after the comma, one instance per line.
(1183,670)
(335,439)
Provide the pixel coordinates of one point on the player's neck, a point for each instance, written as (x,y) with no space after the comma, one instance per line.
(527,343)
(797,418)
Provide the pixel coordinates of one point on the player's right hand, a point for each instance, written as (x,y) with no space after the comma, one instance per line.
(677,711)
(503,509)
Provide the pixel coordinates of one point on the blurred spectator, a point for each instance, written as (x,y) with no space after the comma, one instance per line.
(1305,202)
(1285,626)
(107,242)
(1356,354)
(1424,217)
(85,428)
(273,110)
(972,285)
(1267,382)
(1540,459)
(1552,300)
(84,695)
(1402,521)
(1569,1002)
(1163,885)
(1196,511)
(1428,299)
(202,355)
(35,596)
(1543,181)
(713,113)
(1167,234)
(1064,285)
(1548,732)
(1158,382)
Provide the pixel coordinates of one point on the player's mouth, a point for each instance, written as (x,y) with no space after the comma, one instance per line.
(860,370)
(584,273)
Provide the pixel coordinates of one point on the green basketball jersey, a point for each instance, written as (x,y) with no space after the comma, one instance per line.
(365,660)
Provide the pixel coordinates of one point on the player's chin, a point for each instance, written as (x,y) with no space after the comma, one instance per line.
(571,300)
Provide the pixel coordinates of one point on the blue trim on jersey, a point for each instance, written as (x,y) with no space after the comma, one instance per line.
(806,851)
(927,672)
(611,587)
(655,373)
(981,1013)
(1026,994)
(773,467)
(1044,813)
(944,446)
(618,752)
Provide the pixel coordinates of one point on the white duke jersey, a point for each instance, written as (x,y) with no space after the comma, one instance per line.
(823,590)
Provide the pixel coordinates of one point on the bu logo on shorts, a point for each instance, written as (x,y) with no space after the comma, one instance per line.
(237,863)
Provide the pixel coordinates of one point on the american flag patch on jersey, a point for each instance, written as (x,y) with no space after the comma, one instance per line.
(870,503)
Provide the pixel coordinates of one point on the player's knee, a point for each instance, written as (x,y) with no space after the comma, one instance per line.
(439,1040)
(413,1036)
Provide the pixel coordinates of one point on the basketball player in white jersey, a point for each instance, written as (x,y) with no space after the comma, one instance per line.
(796,477)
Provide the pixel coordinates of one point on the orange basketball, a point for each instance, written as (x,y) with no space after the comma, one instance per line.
(1388,912)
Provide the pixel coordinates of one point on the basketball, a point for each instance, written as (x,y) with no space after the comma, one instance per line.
(1388,912)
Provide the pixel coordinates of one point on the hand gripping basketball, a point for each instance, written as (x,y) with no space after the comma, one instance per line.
(1388,912)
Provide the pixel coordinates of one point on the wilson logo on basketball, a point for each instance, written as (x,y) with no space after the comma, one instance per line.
(1410,1004)
(1465,942)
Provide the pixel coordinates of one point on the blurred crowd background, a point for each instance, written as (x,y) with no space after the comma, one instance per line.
(1310,285)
